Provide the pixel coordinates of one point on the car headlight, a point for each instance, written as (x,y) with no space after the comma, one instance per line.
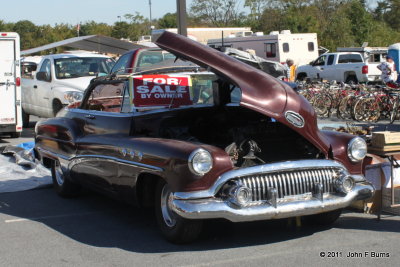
(73,96)
(357,149)
(200,161)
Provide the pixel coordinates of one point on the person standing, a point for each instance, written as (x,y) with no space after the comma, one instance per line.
(290,69)
(388,70)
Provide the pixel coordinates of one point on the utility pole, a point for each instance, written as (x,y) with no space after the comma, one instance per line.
(181,12)
(150,26)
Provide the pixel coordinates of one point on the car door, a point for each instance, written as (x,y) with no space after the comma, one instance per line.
(41,90)
(100,148)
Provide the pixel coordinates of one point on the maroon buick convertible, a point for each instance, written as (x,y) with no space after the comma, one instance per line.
(213,139)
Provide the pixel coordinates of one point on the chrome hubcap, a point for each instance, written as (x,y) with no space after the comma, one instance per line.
(167,213)
(58,173)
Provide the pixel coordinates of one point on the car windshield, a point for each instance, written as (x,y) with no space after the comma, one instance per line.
(74,67)
(159,59)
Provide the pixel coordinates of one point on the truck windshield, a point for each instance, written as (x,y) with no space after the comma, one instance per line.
(74,67)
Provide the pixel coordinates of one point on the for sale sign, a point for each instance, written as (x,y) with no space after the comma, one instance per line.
(160,90)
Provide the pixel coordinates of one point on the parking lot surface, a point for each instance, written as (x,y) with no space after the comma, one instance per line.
(39,228)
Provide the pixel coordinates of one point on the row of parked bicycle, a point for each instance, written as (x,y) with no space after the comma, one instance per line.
(361,102)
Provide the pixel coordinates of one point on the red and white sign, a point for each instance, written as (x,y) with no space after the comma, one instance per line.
(161,90)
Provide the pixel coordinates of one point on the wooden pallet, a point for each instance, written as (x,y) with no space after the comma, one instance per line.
(389,148)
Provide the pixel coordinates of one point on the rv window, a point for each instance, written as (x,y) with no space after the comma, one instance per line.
(285,47)
(270,50)
(376,58)
(330,59)
(311,46)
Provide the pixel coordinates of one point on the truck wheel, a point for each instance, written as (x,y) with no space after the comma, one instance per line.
(301,77)
(325,218)
(63,186)
(57,106)
(351,80)
(173,227)
(15,135)
(25,119)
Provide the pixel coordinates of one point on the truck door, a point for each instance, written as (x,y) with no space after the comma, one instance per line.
(8,111)
(318,67)
(42,90)
(328,71)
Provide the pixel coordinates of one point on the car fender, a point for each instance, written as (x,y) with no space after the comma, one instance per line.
(170,158)
(57,136)
(339,143)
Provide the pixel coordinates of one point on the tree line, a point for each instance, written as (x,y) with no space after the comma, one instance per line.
(338,23)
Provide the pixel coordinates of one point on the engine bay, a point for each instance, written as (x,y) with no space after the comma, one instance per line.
(248,137)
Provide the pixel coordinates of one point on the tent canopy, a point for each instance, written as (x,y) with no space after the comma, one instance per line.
(98,43)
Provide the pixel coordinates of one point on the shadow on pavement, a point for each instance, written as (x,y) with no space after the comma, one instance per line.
(102,222)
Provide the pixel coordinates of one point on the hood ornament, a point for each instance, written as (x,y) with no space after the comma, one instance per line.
(294,118)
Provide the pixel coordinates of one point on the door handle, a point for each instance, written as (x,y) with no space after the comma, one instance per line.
(90,116)
(35,86)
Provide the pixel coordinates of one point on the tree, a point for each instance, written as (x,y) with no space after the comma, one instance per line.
(168,21)
(94,28)
(218,13)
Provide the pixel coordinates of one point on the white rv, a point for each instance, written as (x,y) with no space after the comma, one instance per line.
(277,46)
(10,85)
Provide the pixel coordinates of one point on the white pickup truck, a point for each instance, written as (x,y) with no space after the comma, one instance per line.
(348,67)
(59,80)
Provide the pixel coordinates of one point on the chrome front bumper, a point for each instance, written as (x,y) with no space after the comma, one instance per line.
(213,208)
(208,205)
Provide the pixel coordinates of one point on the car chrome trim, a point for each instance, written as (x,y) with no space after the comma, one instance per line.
(52,154)
(266,168)
(138,164)
(56,155)
(213,208)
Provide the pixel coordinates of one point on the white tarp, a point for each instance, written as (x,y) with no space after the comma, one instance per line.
(14,177)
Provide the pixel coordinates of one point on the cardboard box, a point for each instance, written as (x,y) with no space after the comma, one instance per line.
(385,138)
(387,200)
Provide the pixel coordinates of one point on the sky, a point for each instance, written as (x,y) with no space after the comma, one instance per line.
(74,11)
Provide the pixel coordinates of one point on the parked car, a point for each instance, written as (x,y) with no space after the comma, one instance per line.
(348,67)
(58,81)
(221,141)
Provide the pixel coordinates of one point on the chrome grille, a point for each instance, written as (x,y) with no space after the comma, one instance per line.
(290,183)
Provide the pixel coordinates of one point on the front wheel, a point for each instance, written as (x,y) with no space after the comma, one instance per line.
(25,119)
(63,186)
(57,106)
(173,227)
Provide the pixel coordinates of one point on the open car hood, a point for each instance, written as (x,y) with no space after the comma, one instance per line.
(260,91)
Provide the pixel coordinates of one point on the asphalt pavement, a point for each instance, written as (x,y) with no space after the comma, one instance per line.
(38,228)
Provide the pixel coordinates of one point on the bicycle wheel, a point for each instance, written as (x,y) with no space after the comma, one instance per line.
(322,105)
(366,109)
(344,109)
(395,110)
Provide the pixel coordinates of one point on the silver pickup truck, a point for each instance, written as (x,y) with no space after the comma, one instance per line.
(59,80)
(348,67)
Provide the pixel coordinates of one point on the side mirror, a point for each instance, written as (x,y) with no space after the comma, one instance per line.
(43,76)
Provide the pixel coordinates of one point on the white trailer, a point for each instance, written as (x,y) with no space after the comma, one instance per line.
(10,85)
(301,47)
